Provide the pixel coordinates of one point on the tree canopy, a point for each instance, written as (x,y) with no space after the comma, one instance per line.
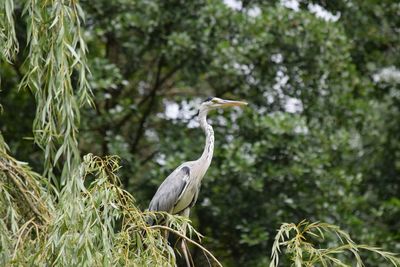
(319,140)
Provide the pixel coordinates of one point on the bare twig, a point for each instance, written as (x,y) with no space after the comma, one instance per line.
(187,239)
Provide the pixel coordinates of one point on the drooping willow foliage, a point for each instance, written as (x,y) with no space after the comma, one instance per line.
(8,38)
(57,74)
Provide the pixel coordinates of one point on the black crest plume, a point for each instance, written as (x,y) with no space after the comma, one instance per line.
(208,99)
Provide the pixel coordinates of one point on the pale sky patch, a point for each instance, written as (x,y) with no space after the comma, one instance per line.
(234,4)
(293,105)
(291,4)
(316,9)
(171,110)
(388,74)
(321,12)
(277,58)
(254,11)
(185,110)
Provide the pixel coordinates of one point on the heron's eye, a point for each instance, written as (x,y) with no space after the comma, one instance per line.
(214,100)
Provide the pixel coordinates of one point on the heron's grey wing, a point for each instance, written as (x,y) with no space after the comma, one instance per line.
(171,190)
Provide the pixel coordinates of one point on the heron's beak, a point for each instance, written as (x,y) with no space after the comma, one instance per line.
(231,103)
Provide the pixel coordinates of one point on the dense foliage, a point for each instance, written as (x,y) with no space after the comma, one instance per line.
(319,140)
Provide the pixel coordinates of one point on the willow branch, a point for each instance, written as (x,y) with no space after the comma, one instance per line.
(28,200)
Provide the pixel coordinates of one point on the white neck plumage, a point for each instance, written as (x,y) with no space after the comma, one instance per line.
(208,151)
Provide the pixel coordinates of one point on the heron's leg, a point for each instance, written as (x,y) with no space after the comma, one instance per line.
(185,213)
(166,234)
(184,246)
(185,251)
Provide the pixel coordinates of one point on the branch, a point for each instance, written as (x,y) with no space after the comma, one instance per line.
(17,70)
(15,175)
(187,239)
(144,161)
(124,119)
(146,113)
(161,81)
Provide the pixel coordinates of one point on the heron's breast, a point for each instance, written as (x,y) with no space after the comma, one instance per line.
(186,198)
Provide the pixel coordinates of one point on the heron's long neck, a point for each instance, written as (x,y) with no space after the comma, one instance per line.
(207,155)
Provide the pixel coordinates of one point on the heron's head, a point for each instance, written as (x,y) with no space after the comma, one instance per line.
(212,103)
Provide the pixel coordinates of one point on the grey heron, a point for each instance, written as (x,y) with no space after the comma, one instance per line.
(179,191)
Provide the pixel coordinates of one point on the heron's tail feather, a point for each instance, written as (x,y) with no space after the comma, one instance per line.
(150,220)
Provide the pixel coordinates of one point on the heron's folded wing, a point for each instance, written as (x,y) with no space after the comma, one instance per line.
(171,190)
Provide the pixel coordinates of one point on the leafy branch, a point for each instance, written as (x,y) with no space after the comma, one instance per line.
(94,224)
(297,240)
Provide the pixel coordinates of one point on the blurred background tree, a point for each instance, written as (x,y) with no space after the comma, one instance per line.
(320,139)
